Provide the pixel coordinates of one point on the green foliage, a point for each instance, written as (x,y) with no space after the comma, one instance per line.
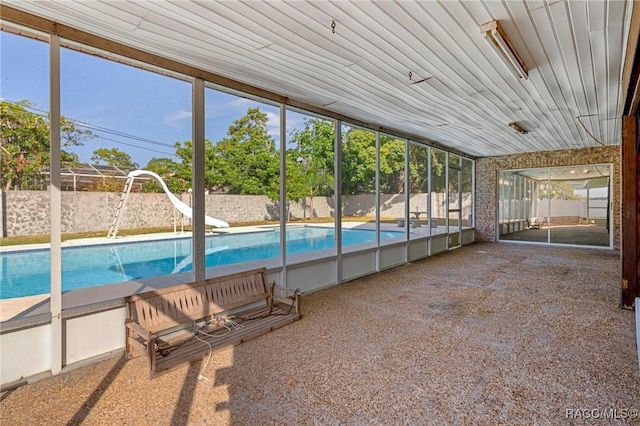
(358,161)
(418,169)
(559,190)
(113,157)
(172,174)
(312,151)
(106,184)
(24,145)
(392,172)
(438,171)
(245,161)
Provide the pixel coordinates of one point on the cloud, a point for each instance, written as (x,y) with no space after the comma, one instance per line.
(295,121)
(179,115)
(236,106)
(242,103)
(273,124)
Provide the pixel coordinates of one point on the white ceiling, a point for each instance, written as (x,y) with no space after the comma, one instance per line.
(574,51)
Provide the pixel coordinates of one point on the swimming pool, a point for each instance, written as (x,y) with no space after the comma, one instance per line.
(27,273)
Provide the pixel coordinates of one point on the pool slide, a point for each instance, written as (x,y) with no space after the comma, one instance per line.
(179,205)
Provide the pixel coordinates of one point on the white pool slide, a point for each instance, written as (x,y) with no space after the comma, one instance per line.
(179,205)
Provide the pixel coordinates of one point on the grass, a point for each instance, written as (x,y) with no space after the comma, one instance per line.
(44,238)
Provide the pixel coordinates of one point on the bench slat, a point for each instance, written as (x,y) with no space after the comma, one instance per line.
(193,350)
(182,319)
(190,304)
(208,281)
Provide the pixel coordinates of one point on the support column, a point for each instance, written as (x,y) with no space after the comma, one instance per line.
(283,211)
(197,180)
(630,226)
(378,201)
(55,206)
(337,196)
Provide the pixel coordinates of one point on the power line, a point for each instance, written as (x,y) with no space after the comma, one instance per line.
(42,113)
(136,146)
(118,133)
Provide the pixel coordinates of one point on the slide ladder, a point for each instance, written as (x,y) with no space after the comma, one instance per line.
(115,224)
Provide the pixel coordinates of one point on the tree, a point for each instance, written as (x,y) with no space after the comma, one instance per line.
(171,173)
(313,150)
(24,144)
(559,190)
(438,171)
(418,169)
(392,172)
(358,162)
(314,156)
(246,161)
(113,157)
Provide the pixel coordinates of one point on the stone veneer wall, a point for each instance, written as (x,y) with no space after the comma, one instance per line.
(27,212)
(487,171)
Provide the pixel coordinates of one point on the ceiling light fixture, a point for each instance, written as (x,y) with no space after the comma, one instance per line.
(518,128)
(501,45)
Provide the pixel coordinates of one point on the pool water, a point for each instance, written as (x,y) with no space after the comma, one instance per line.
(27,273)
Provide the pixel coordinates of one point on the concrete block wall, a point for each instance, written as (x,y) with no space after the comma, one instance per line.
(487,171)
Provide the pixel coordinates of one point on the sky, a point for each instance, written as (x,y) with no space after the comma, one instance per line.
(137,111)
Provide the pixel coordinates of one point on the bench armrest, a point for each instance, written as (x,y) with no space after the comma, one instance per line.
(134,326)
(286,296)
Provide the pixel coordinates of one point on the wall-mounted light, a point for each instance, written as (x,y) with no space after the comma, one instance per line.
(498,40)
(518,128)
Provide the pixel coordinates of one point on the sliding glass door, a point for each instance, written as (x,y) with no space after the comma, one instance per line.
(560,205)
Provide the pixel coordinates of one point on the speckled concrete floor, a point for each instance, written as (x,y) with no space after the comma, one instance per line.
(486,334)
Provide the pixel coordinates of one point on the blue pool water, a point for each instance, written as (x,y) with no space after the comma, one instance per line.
(27,273)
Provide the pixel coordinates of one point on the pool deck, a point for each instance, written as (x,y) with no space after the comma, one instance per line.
(486,334)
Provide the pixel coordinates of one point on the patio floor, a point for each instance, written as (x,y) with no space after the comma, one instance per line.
(485,334)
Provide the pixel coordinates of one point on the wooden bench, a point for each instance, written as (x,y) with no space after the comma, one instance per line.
(169,327)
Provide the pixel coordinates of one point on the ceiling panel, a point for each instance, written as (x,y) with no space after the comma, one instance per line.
(574,51)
